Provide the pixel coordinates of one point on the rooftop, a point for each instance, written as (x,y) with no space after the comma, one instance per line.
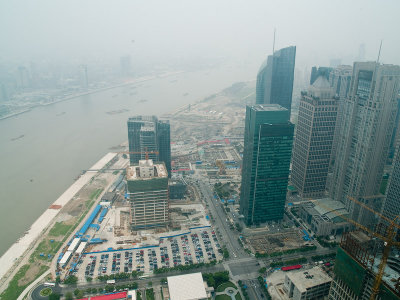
(331,209)
(304,280)
(267,107)
(186,287)
(146,170)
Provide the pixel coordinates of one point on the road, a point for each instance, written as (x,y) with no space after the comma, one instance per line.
(229,237)
(143,283)
(254,289)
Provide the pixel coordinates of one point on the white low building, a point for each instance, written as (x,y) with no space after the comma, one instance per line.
(307,284)
(188,287)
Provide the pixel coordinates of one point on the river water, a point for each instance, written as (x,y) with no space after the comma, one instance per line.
(61,140)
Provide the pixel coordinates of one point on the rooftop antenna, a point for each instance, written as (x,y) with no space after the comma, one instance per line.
(379,53)
(273,45)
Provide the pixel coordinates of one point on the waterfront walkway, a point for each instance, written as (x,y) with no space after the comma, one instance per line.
(18,249)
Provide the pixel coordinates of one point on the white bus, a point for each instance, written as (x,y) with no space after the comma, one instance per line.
(49,284)
(112,281)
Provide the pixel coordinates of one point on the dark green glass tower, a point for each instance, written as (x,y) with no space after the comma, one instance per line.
(148,134)
(268,142)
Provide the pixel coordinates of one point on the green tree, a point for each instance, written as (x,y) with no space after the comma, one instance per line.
(54,297)
(72,279)
(262,270)
(68,296)
(77,292)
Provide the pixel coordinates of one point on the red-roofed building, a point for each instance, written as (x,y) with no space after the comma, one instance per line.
(114,296)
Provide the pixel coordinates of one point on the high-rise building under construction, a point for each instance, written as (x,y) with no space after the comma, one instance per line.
(147,188)
(356,267)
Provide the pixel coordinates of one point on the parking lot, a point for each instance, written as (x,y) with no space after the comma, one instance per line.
(200,245)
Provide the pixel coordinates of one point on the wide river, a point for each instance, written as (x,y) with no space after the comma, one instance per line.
(61,140)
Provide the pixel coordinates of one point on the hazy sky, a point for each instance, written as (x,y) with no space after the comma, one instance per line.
(165,29)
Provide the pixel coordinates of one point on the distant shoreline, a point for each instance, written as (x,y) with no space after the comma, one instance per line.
(133,81)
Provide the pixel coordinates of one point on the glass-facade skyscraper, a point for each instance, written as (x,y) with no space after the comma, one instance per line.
(148,134)
(363,138)
(275,78)
(267,150)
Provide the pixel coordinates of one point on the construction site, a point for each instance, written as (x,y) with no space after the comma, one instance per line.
(264,242)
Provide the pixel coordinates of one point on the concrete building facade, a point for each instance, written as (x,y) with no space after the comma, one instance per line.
(275,78)
(364,137)
(147,185)
(323,216)
(266,160)
(314,136)
(307,284)
(391,207)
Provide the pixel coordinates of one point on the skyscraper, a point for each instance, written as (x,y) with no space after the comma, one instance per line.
(320,71)
(148,134)
(164,143)
(391,207)
(339,79)
(364,136)
(314,136)
(147,185)
(267,150)
(275,78)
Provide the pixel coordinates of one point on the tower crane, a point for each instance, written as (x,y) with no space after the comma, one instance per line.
(388,238)
(139,152)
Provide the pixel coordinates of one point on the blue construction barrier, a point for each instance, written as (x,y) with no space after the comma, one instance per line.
(96,241)
(198,227)
(89,221)
(95,226)
(175,235)
(103,214)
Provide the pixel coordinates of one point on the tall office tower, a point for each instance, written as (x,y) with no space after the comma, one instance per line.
(148,134)
(339,79)
(364,137)
(391,206)
(320,71)
(125,64)
(164,143)
(314,136)
(147,185)
(275,78)
(356,267)
(267,150)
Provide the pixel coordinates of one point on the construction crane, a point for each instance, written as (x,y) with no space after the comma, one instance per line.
(388,238)
(221,165)
(139,152)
